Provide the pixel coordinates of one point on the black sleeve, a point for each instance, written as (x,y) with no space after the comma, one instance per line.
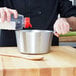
(66,9)
(1,3)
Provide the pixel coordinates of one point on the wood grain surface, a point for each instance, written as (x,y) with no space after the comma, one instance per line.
(60,61)
(1,67)
(67,39)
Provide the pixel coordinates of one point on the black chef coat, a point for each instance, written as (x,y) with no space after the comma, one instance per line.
(43,14)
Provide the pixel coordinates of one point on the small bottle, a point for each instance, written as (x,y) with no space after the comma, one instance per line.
(16,24)
(13,24)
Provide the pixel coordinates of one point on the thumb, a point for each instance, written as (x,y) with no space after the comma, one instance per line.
(56,34)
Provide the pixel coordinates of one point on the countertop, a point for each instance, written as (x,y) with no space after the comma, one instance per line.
(60,61)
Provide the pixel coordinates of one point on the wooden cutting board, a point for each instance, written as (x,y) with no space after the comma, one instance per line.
(61,61)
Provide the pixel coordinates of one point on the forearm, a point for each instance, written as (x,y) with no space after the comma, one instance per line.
(72,22)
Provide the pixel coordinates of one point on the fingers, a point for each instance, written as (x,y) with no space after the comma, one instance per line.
(57,27)
(5,14)
(2,15)
(61,26)
(8,14)
(64,28)
(14,12)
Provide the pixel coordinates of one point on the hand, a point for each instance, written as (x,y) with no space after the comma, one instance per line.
(61,26)
(5,14)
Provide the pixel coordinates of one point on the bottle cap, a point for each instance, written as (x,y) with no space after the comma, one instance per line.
(27,19)
(27,22)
